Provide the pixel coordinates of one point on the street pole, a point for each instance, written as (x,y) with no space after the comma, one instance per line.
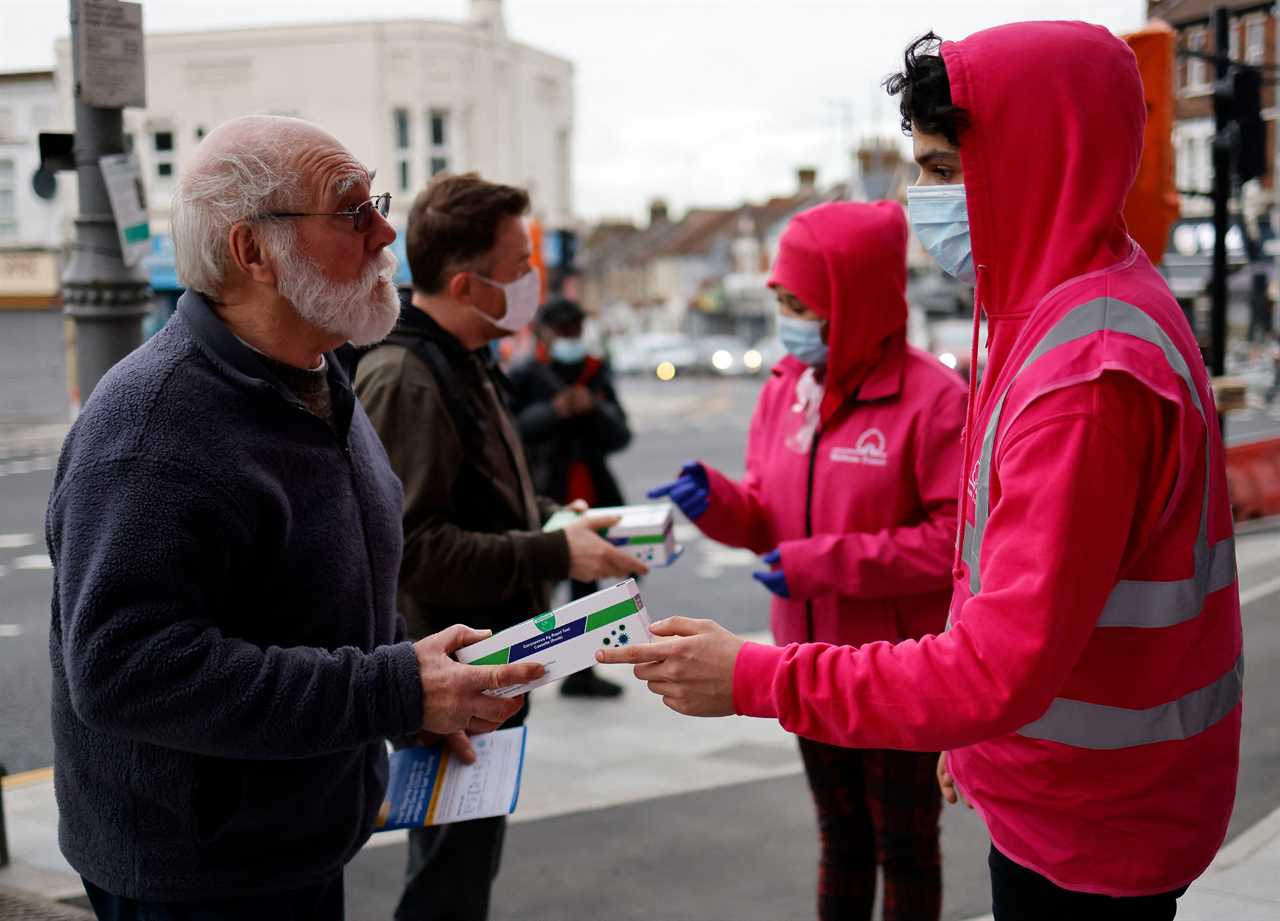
(4,837)
(105,299)
(1222,148)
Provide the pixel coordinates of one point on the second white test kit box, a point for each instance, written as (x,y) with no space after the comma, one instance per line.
(646,532)
(564,641)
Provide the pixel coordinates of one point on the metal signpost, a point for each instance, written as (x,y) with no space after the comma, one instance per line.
(105,295)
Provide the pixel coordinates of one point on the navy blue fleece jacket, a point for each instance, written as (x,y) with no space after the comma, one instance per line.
(224,638)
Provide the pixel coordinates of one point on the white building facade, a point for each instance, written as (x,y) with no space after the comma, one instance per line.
(31,227)
(410,98)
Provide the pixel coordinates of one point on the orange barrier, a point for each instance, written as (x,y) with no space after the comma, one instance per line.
(1253,479)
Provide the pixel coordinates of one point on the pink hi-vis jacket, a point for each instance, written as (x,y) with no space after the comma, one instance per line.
(863,509)
(1089,684)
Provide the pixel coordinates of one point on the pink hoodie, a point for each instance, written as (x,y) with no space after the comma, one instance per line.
(1089,686)
(864,512)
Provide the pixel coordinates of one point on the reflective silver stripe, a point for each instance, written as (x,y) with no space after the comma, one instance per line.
(1165,604)
(1097,726)
(1132,603)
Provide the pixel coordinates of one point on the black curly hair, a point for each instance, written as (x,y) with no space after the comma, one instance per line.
(926,91)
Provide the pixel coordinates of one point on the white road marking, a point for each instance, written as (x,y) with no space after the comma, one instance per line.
(36,561)
(10,630)
(1259,591)
(28,465)
(16,541)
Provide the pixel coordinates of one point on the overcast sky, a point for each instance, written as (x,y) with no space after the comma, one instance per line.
(703,102)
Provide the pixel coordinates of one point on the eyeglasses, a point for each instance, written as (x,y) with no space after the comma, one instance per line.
(361,215)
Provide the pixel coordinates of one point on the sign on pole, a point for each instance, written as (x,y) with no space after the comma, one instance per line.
(129,205)
(112,68)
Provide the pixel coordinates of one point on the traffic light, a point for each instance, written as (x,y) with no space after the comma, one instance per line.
(1152,206)
(1251,149)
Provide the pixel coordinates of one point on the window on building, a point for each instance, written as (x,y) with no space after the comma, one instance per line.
(439,136)
(200,132)
(401,117)
(8,200)
(162,150)
(1233,39)
(1193,150)
(1197,68)
(6,122)
(1255,40)
(41,117)
(402,132)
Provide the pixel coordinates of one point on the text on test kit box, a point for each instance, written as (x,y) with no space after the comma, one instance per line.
(564,641)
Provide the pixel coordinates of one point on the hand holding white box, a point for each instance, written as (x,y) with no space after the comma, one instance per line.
(564,641)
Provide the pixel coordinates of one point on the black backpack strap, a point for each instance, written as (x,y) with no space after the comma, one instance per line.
(466,419)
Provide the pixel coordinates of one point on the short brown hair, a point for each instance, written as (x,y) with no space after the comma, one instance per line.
(454,221)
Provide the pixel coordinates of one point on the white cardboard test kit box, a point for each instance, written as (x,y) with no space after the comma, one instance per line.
(646,532)
(564,641)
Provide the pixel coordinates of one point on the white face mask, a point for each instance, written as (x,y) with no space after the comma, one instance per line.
(522,297)
(939,215)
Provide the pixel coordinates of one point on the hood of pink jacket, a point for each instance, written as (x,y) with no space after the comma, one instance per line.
(1047,164)
(847,261)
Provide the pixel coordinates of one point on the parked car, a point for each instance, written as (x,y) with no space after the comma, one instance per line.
(770,352)
(663,354)
(724,355)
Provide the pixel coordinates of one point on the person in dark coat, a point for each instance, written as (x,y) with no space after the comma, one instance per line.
(227,656)
(570,421)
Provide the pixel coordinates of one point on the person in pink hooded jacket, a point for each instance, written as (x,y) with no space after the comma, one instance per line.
(852,460)
(1088,689)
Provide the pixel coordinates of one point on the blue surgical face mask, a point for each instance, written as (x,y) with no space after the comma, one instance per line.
(940,218)
(803,339)
(568,351)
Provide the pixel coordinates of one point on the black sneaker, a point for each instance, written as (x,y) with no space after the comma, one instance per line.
(587,683)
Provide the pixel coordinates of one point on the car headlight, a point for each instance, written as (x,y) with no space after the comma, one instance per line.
(752,360)
(722,360)
(666,371)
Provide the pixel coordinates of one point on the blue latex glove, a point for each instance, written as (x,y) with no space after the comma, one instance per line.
(775,580)
(691,491)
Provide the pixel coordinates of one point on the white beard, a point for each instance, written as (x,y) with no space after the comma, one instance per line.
(363,311)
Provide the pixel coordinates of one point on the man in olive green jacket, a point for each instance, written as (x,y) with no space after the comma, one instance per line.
(474,549)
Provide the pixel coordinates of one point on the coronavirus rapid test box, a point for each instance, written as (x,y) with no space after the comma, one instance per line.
(564,641)
(646,532)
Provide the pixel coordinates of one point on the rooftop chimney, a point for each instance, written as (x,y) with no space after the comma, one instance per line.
(807,180)
(487,14)
(657,212)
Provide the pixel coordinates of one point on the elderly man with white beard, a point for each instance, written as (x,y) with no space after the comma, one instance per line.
(225,528)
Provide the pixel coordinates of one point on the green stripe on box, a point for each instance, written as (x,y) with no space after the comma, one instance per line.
(610,614)
(137,233)
(501,657)
(646,539)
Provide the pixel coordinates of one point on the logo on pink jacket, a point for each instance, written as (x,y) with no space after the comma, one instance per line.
(869,450)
